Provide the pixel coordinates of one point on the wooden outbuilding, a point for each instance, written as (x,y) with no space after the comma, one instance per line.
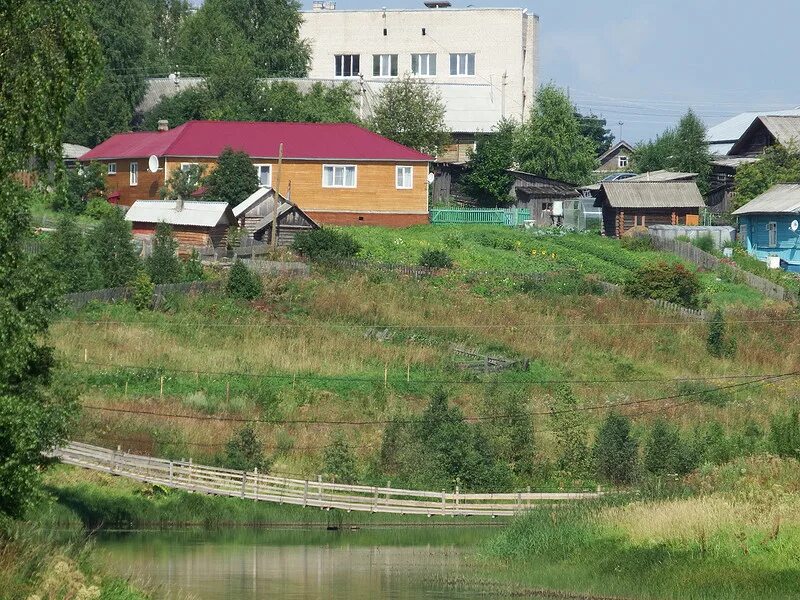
(616,158)
(194,224)
(627,204)
(257,212)
(539,194)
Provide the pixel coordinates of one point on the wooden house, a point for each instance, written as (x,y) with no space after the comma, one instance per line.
(340,173)
(767,131)
(769,226)
(194,224)
(538,195)
(616,158)
(627,204)
(257,213)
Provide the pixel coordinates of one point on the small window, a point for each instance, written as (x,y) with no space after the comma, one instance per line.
(462,64)
(423,31)
(187,166)
(134,174)
(385,31)
(384,65)
(339,176)
(264,175)
(347,65)
(404,178)
(772,231)
(622,161)
(423,65)
(112,169)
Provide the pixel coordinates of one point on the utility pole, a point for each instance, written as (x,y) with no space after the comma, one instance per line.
(503,95)
(277,198)
(362,93)
(620,123)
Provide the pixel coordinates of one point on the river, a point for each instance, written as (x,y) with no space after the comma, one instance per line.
(293,564)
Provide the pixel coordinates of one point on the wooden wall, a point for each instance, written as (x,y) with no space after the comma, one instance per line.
(617,221)
(188,235)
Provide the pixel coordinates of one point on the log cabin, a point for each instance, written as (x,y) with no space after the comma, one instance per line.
(339,173)
(255,216)
(194,224)
(627,204)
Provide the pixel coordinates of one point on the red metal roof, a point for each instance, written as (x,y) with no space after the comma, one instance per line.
(310,141)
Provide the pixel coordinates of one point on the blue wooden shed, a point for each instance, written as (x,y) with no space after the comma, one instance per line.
(769,225)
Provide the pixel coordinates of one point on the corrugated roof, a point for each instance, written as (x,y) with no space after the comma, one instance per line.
(734,161)
(251,201)
(661,175)
(781,198)
(723,136)
(785,129)
(200,214)
(303,141)
(670,194)
(614,148)
(73,151)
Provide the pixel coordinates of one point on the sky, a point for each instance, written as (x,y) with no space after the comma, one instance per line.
(646,62)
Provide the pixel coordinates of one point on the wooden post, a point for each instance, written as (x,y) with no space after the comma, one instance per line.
(408,371)
(529,496)
(244,481)
(85,355)
(162,387)
(519,500)
(276,202)
(388,491)
(190,473)
(171,473)
(386,375)
(305,493)
(444,503)
(126,388)
(374,498)
(227,391)
(457,490)
(255,483)
(319,487)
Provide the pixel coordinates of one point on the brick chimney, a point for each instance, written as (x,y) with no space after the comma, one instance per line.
(163,125)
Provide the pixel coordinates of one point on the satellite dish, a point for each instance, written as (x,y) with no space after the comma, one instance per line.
(152,163)
(430,177)
(794,225)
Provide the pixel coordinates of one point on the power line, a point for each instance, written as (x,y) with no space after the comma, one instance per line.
(340,422)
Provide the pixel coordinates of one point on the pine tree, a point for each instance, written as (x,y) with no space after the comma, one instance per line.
(569,425)
(245,451)
(69,258)
(243,283)
(718,343)
(338,460)
(487,178)
(616,450)
(163,264)
(111,247)
(661,448)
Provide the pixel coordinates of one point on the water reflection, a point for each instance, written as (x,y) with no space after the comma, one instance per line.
(395,564)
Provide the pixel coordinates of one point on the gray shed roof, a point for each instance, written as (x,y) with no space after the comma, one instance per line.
(194,213)
(73,151)
(785,128)
(661,175)
(721,137)
(781,198)
(670,194)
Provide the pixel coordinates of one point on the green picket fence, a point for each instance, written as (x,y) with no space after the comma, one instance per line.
(510,217)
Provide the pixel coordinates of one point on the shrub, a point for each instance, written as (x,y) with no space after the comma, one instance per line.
(338,460)
(325,244)
(436,259)
(68,258)
(704,393)
(664,281)
(570,429)
(704,242)
(616,451)
(163,264)
(661,449)
(784,435)
(245,451)
(193,268)
(143,289)
(718,342)
(111,245)
(243,283)
(637,243)
(97,208)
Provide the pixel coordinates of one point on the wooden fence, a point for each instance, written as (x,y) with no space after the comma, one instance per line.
(252,485)
(274,267)
(354,263)
(483,363)
(117,294)
(708,261)
(689,313)
(510,217)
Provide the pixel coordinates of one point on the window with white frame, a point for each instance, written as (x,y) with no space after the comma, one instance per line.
(384,65)
(423,65)
(347,65)
(622,161)
(339,176)
(112,169)
(462,64)
(134,174)
(264,175)
(772,232)
(404,177)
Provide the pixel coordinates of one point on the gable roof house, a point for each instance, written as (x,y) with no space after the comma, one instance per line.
(627,204)
(194,224)
(767,131)
(723,136)
(539,194)
(256,214)
(768,225)
(616,158)
(339,173)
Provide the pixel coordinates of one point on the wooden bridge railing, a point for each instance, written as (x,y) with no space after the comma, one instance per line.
(326,495)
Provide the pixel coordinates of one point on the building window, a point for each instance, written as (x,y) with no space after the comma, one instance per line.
(423,65)
(112,169)
(462,64)
(347,65)
(339,176)
(187,166)
(134,172)
(384,65)
(622,161)
(404,178)
(772,232)
(264,175)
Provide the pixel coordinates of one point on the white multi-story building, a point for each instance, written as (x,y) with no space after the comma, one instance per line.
(483,61)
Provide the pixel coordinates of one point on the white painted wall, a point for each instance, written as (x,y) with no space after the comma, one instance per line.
(504,41)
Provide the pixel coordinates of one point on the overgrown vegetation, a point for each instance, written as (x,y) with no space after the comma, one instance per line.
(326,244)
(664,281)
(243,283)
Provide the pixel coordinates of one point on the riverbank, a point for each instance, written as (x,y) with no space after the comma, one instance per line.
(737,536)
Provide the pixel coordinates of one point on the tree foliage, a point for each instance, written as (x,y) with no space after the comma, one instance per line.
(69,258)
(487,179)
(163,264)
(80,185)
(551,144)
(661,449)
(326,244)
(338,460)
(243,283)
(719,342)
(233,179)
(778,164)
(594,128)
(411,113)
(683,149)
(47,54)
(111,243)
(182,183)
(571,433)
(672,282)
(616,450)
(245,451)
